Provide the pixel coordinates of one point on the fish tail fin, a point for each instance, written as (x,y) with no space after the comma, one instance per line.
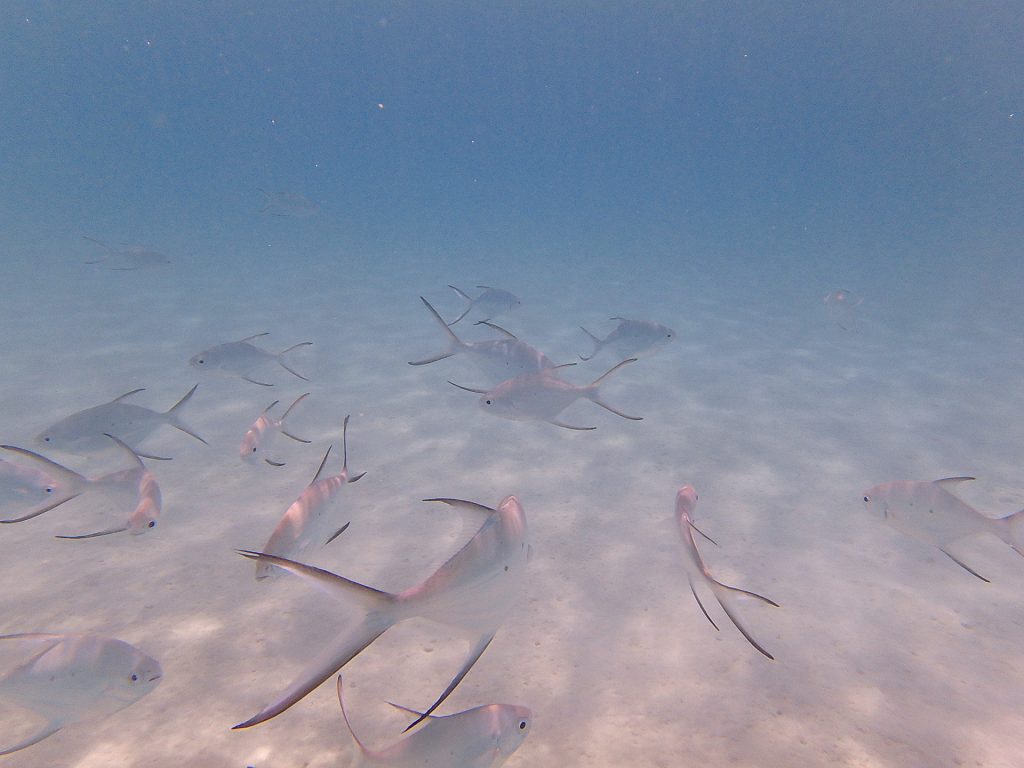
(280,358)
(454,342)
(1011,530)
(363,751)
(592,391)
(593,338)
(291,407)
(46,731)
(173,415)
(724,594)
(469,305)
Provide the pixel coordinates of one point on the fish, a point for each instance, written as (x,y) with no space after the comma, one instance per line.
(498,359)
(632,338)
(239,358)
(543,396)
(66,678)
(489,304)
(20,484)
(136,481)
(842,308)
(261,435)
(128,258)
(303,523)
(686,504)
(288,205)
(932,513)
(471,592)
(85,432)
(481,737)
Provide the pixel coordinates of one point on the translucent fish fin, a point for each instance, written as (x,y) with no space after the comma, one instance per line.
(174,417)
(701,605)
(291,407)
(100,243)
(107,532)
(127,449)
(321,467)
(474,516)
(153,457)
(597,344)
(128,394)
(963,565)
(454,343)
(474,654)
(344,446)
(253,381)
(698,530)
(41,510)
(597,382)
(469,306)
(469,389)
(47,730)
(498,328)
(344,715)
(721,592)
(950,483)
(615,410)
(254,336)
(280,359)
(409,710)
(274,463)
(563,425)
(430,360)
(296,438)
(337,533)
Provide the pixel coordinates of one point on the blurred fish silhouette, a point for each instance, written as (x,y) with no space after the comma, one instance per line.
(543,396)
(68,678)
(482,737)
(632,338)
(933,514)
(842,308)
(261,436)
(288,205)
(498,359)
(686,504)
(305,521)
(471,592)
(240,358)
(86,432)
(488,305)
(128,258)
(21,486)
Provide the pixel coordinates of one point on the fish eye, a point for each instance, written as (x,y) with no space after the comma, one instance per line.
(522,725)
(46,439)
(487,401)
(134,677)
(200,361)
(152,524)
(49,489)
(254,449)
(867,499)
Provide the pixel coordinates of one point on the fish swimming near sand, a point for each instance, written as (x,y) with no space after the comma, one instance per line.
(686,504)
(482,737)
(543,396)
(488,305)
(498,359)
(471,592)
(240,358)
(128,258)
(632,338)
(287,205)
(308,521)
(86,432)
(932,513)
(260,437)
(68,678)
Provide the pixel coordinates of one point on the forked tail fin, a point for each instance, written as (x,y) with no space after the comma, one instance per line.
(725,594)
(593,388)
(454,342)
(173,415)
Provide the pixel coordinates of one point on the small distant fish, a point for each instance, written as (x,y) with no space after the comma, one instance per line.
(498,359)
(842,308)
(261,435)
(239,358)
(137,482)
(482,737)
(686,504)
(543,396)
(68,678)
(489,304)
(288,204)
(472,591)
(632,338)
(86,432)
(304,522)
(128,258)
(933,514)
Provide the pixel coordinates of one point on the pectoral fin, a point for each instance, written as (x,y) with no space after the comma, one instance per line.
(963,565)
(474,654)
(48,730)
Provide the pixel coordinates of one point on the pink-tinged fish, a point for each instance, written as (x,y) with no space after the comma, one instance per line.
(471,592)
(686,504)
(307,521)
(543,396)
(68,678)
(489,304)
(262,434)
(632,338)
(136,481)
(482,737)
(932,513)
(240,358)
(842,308)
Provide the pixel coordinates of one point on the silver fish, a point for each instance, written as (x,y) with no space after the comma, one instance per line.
(128,258)
(632,338)
(288,205)
(498,359)
(85,432)
(489,304)
(686,504)
(482,737)
(304,522)
(842,308)
(542,396)
(472,592)
(932,513)
(239,358)
(261,436)
(68,678)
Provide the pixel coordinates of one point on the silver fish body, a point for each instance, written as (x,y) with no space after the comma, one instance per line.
(632,338)
(241,358)
(491,303)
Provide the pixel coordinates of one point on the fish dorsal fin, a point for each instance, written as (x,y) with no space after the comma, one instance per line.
(596,382)
(128,394)
(344,445)
(321,467)
(291,407)
(471,513)
(469,389)
(410,711)
(267,409)
(254,336)
(950,484)
(127,449)
(498,328)
(344,716)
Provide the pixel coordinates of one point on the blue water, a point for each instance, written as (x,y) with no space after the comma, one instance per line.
(719,168)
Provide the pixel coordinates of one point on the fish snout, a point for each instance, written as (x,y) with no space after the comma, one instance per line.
(686,501)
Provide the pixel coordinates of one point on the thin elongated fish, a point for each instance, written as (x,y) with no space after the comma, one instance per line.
(686,504)
(498,359)
(307,519)
(489,304)
(288,204)
(86,432)
(128,258)
(68,678)
(543,396)
(136,481)
(932,513)
(260,437)
(471,592)
(482,737)
(632,338)
(842,308)
(240,358)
